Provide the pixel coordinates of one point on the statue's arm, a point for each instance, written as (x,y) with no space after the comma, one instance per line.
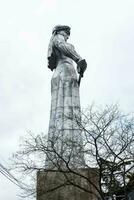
(66,48)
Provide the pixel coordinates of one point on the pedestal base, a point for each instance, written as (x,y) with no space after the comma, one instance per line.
(56,185)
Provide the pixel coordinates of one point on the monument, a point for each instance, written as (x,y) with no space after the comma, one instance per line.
(65,142)
(65,100)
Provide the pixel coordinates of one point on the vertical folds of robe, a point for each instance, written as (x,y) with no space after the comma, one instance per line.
(64,134)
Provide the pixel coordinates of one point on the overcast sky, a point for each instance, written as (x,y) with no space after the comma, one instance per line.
(102,33)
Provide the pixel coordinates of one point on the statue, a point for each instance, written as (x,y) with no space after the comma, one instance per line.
(65,100)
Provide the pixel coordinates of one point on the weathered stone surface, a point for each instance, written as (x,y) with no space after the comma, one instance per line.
(48,181)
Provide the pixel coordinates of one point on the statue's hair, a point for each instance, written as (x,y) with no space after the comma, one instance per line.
(58,28)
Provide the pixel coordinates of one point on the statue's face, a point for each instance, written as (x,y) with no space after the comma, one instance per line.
(64,33)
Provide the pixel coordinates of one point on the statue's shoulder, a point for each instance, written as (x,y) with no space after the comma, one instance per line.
(71,45)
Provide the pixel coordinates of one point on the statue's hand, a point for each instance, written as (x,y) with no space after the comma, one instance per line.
(81,67)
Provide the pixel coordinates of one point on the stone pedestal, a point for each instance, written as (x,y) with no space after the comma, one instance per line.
(56,185)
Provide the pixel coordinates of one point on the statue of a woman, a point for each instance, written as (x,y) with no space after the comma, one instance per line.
(65,100)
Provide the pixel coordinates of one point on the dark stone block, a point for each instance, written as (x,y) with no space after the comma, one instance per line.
(54,185)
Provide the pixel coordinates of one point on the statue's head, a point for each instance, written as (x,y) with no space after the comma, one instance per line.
(63,30)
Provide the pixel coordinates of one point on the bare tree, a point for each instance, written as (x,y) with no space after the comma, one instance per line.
(108,147)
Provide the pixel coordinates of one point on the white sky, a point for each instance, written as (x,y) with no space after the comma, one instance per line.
(102,33)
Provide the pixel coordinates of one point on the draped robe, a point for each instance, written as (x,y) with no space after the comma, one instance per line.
(64,134)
